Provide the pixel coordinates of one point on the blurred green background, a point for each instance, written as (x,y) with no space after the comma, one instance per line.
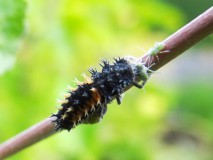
(44,45)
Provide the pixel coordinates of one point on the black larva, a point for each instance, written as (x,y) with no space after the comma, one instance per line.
(88,102)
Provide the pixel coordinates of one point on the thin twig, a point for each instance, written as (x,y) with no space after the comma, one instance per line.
(34,134)
(183,39)
(176,44)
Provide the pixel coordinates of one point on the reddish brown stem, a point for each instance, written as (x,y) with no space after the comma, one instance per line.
(183,39)
(176,44)
(34,134)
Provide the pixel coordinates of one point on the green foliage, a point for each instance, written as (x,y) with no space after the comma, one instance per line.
(12,24)
(62,40)
(12,16)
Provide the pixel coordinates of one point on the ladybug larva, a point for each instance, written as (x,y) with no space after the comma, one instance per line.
(88,102)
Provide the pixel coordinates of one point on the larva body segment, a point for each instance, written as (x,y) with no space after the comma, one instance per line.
(88,102)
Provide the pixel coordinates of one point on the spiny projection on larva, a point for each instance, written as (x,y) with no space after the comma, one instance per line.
(88,102)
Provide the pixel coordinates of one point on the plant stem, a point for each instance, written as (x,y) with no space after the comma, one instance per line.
(183,39)
(34,134)
(176,44)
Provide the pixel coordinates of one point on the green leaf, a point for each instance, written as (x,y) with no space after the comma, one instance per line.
(12,16)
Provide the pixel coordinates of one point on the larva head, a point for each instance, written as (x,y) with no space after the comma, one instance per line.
(140,71)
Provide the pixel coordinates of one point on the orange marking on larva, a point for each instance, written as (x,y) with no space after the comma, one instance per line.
(74,118)
(93,89)
(90,104)
(87,80)
(96,96)
(77,115)
(84,109)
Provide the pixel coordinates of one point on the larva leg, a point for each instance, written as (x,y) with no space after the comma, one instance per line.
(137,85)
(97,115)
(103,110)
(118,99)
